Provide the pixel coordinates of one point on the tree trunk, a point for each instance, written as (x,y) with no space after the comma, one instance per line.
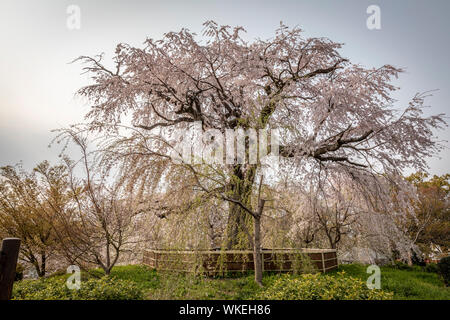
(331,242)
(108,257)
(257,251)
(257,243)
(43,264)
(239,222)
(409,258)
(237,227)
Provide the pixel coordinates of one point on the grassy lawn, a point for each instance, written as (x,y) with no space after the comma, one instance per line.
(405,284)
(185,286)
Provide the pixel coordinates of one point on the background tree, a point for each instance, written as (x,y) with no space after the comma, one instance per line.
(430,223)
(101,224)
(336,209)
(25,214)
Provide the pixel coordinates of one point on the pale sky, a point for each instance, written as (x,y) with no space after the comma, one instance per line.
(37,83)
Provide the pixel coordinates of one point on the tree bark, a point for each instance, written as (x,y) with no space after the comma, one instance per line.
(43,264)
(241,186)
(257,243)
(409,258)
(257,251)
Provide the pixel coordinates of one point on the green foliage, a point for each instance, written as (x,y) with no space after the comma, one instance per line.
(431,267)
(405,284)
(431,221)
(23,213)
(302,263)
(414,283)
(444,269)
(19,272)
(143,276)
(322,287)
(54,288)
(108,288)
(402,266)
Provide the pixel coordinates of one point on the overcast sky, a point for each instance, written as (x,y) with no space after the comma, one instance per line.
(37,83)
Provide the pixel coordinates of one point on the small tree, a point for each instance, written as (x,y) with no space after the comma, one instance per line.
(99,225)
(430,222)
(337,206)
(25,214)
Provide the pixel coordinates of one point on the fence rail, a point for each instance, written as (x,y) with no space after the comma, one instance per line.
(219,261)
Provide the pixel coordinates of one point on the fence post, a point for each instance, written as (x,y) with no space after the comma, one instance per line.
(9,253)
(323,263)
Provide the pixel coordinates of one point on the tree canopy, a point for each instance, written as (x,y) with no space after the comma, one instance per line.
(333,115)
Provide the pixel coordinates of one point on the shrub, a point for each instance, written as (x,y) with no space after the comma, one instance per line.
(444,269)
(431,267)
(106,288)
(302,263)
(19,272)
(402,266)
(418,259)
(322,287)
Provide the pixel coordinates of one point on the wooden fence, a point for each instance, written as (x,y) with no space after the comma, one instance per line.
(9,253)
(213,262)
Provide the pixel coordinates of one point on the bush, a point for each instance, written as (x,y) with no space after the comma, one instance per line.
(431,267)
(402,266)
(106,288)
(322,287)
(418,259)
(19,272)
(444,269)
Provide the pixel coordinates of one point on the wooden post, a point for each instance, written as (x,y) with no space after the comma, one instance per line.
(262,261)
(8,260)
(323,263)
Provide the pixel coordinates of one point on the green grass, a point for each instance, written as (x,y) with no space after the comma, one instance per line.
(186,286)
(412,283)
(405,284)
(167,285)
